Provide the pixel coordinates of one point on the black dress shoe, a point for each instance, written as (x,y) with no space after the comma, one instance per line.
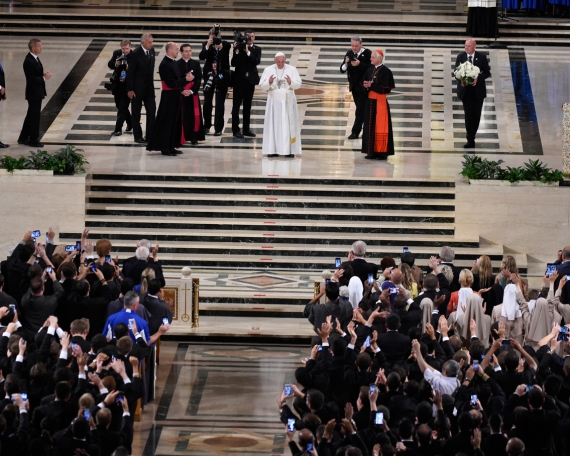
(217,133)
(273,155)
(23,141)
(129,130)
(370,157)
(353,136)
(35,144)
(140,141)
(206,130)
(290,156)
(169,153)
(4,146)
(469,145)
(117,133)
(194,143)
(249,133)
(177,152)
(238,135)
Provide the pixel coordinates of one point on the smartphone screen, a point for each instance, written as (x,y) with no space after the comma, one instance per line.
(550,268)
(372,388)
(309,446)
(475,364)
(370,279)
(506,342)
(131,321)
(73,346)
(93,267)
(473,399)
(13,307)
(367,342)
(78,246)
(287,390)
(120,398)
(165,321)
(87,414)
(379,418)
(405,250)
(528,388)
(36,233)
(69,248)
(24,396)
(48,269)
(107,258)
(291,424)
(337,262)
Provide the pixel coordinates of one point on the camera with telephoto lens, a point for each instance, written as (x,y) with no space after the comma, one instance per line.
(241,40)
(209,82)
(216,40)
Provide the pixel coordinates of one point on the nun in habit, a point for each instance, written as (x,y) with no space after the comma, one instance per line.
(281,128)
(509,313)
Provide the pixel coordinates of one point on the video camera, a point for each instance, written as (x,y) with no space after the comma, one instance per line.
(241,40)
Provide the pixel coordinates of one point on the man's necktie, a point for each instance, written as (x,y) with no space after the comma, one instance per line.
(470,60)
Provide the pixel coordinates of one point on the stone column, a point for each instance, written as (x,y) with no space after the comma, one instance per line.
(566,139)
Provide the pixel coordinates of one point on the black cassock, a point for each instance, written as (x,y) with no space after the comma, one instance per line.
(377,105)
(192,125)
(168,126)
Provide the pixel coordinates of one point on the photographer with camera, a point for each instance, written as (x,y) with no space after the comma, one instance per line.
(118,86)
(245,60)
(217,78)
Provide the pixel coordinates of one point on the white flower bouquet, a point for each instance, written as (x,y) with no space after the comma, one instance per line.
(467,73)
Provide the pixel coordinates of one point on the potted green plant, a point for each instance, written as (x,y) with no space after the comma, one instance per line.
(66,161)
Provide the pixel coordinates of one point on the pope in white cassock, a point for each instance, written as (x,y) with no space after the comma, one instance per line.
(281,130)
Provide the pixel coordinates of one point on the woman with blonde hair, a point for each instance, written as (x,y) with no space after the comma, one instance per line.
(147,275)
(408,281)
(508,264)
(458,299)
(483,280)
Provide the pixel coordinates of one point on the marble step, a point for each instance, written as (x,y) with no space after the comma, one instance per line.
(120,236)
(145,199)
(296,249)
(148,224)
(248,310)
(264,212)
(270,189)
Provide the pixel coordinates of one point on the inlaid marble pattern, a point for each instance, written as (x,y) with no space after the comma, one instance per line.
(426,114)
(217,399)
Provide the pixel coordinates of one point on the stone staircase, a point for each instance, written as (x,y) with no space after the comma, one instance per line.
(258,244)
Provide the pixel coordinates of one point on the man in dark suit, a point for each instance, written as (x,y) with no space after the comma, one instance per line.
(447,255)
(35,92)
(356,62)
(395,345)
(245,62)
(119,65)
(156,306)
(317,314)
(2,97)
(496,443)
(216,53)
(563,270)
(472,96)
(140,86)
(360,266)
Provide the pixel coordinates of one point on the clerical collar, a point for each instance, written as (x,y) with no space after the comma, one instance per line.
(170,58)
(378,66)
(186,60)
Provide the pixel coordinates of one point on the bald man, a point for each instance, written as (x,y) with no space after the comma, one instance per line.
(472,96)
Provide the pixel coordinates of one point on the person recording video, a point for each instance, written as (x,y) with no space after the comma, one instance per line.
(245,59)
(217,78)
(119,65)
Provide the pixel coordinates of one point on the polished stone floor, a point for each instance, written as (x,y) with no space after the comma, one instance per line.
(217,399)
(522,115)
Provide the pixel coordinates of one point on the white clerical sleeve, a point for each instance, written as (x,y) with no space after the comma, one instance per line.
(295,79)
(264,82)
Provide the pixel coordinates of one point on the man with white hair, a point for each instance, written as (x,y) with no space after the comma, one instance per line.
(281,129)
(446,257)
(133,267)
(360,266)
(378,137)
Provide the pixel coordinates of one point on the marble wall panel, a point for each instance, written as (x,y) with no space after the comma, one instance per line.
(527,219)
(36,202)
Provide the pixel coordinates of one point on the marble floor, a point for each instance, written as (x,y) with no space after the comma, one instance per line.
(217,399)
(522,115)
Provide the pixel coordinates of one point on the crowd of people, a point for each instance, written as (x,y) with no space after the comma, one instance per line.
(446,362)
(77,345)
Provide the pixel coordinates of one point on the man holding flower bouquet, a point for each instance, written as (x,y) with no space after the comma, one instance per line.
(471,70)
